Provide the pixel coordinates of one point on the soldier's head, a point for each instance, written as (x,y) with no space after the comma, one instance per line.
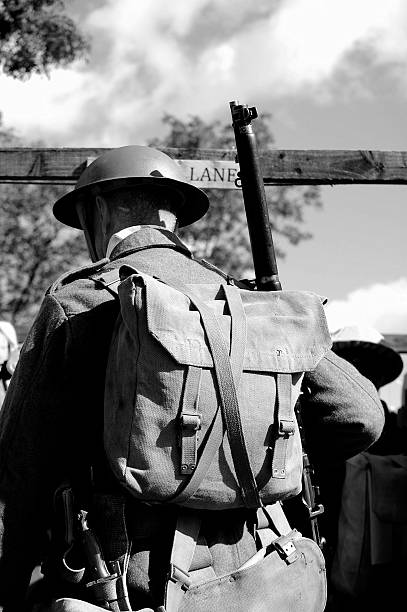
(127,186)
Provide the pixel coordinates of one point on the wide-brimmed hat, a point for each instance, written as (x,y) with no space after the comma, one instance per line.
(367,350)
(131,166)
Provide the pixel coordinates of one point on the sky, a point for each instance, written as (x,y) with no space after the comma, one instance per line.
(333,73)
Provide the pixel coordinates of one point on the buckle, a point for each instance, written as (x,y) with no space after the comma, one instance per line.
(286,428)
(190,422)
(316,510)
(285,547)
(178,575)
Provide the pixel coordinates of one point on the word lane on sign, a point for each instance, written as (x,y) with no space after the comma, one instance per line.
(205,173)
(210,174)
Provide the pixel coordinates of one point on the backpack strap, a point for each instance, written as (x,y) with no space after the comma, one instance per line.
(110,279)
(228,372)
(285,424)
(271,522)
(274,531)
(216,430)
(182,553)
(228,399)
(190,421)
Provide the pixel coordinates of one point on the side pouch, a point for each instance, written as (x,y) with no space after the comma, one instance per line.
(269,584)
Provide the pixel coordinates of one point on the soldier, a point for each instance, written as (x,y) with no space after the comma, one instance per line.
(129,203)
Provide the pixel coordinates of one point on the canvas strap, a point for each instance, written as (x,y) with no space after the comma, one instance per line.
(215,433)
(190,421)
(182,553)
(226,379)
(274,531)
(271,523)
(285,424)
(110,279)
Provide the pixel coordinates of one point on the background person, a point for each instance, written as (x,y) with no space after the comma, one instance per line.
(366,497)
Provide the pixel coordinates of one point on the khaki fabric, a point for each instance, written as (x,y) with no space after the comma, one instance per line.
(266,586)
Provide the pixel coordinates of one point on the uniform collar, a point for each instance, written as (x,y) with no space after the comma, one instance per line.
(122,234)
(145,236)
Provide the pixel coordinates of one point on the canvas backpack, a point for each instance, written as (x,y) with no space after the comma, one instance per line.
(201,384)
(200,391)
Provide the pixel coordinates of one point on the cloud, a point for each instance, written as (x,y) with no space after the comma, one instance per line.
(194,57)
(309,39)
(382,306)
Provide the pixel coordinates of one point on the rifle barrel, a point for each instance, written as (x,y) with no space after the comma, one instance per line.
(254,197)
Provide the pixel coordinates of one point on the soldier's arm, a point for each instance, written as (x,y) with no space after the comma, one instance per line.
(34,435)
(341,411)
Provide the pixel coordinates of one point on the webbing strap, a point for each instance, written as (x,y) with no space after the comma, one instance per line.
(216,432)
(271,524)
(238,331)
(213,442)
(182,553)
(228,397)
(228,372)
(285,425)
(109,279)
(190,421)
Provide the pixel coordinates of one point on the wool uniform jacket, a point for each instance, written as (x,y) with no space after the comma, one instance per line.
(51,423)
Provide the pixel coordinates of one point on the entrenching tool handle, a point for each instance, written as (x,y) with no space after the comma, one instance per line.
(254,197)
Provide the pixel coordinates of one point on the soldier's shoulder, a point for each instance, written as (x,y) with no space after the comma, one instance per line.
(84,273)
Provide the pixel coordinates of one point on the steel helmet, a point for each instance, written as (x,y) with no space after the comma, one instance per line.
(132,165)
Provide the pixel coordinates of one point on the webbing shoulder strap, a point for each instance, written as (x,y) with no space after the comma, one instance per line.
(216,431)
(182,553)
(227,393)
(110,279)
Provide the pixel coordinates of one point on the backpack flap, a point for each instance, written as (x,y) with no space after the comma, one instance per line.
(287,330)
(162,392)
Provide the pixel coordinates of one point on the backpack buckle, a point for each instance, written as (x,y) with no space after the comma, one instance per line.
(191,422)
(190,425)
(285,547)
(180,577)
(286,428)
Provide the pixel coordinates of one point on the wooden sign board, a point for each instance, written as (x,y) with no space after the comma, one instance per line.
(217,168)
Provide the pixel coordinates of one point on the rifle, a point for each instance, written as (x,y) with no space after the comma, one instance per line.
(264,260)
(254,198)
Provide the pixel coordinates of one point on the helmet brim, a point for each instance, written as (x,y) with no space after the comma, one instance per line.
(378,359)
(194,207)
